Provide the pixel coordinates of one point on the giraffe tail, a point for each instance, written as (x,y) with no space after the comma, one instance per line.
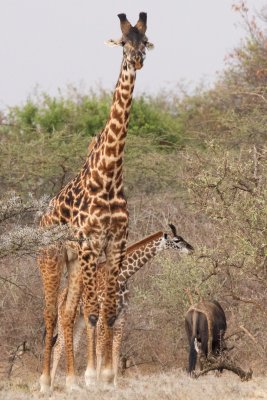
(54,340)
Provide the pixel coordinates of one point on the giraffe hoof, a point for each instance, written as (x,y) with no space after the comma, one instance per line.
(45,385)
(107,376)
(90,377)
(111,320)
(93,319)
(71,384)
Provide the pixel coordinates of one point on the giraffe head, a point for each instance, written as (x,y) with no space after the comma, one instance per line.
(133,40)
(176,242)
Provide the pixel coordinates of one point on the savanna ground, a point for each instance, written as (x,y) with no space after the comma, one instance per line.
(198,161)
(169,385)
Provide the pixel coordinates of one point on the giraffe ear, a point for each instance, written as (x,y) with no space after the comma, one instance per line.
(113,42)
(149,46)
(173,229)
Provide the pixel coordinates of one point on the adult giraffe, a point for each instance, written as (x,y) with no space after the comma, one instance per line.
(93,203)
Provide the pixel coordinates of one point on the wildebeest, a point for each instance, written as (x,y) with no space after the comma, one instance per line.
(205,325)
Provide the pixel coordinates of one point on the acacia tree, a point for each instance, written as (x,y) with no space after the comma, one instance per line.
(225,174)
(19,232)
(20,286)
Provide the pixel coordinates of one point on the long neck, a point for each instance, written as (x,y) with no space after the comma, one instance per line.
(138,258)
(108,151)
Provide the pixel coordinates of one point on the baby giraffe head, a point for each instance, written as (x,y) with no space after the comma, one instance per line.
(176,242)
(133,40)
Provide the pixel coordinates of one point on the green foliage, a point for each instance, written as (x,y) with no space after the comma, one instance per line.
(88,115)
(167,286)
(230,188)
(45,141)
(73,113)
(39,162)
(149,117)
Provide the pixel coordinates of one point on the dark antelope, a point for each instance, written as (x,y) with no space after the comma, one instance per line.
(205,325)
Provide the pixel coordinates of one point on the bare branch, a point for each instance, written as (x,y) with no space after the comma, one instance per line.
(220,363)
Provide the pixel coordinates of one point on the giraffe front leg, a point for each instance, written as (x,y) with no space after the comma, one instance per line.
(103,353)
(90,372)
(100,343)
(115,253)
(117,340)
(50,322)
(88,257)
(59,346)
(51,262)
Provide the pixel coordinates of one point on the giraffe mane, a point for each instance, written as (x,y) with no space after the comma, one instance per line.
(144,241)
(136,245)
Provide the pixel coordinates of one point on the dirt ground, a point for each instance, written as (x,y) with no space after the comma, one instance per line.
(175,384)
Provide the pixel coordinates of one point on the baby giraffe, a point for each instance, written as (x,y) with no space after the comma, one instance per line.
(137,255)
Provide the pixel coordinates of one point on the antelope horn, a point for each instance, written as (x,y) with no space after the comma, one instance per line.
(125,24)
(141,23)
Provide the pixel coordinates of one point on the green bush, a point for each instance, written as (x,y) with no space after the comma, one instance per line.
(45,141)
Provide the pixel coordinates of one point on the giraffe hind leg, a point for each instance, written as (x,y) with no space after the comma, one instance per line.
(88,257)
(51,262)
(103,350)
(90,375)
(68,318)
(115,253)
(59,344)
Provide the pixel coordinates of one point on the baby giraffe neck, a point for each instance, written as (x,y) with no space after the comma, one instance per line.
(137,258)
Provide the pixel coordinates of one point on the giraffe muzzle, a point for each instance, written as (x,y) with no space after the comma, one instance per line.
(138,65)
(139,60)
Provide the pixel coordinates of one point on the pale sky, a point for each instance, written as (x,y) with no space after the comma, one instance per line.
(55,43)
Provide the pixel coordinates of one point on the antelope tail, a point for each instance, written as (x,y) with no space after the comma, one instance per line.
(193,352)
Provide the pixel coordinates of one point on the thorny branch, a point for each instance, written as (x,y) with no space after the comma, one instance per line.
(14,206)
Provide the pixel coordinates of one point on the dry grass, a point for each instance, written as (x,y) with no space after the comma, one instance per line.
(172,385)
